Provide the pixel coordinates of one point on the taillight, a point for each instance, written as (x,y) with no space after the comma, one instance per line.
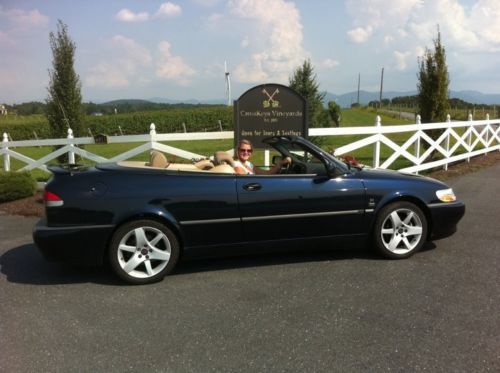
(52,200)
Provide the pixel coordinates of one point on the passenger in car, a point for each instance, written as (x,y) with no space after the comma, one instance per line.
(243,166)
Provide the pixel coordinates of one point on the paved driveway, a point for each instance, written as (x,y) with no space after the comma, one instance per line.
(344,311)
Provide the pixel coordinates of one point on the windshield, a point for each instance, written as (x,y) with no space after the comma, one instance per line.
(306,152)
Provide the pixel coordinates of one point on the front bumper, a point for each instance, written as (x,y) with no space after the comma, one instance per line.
(445,217)
(77,244)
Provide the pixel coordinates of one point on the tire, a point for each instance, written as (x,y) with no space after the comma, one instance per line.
(143,252)
(400,230)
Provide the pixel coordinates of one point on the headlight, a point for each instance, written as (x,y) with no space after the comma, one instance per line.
(446,195)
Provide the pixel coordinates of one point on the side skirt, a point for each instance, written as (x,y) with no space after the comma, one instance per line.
(253,247)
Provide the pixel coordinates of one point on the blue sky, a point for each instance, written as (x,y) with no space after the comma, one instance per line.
(176,49)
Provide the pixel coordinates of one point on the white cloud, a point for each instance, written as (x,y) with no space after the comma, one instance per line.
(172,67)
(278,40)
(370,16)
(245,42)
(5,39)
(400,28)
(22,19)
(126,62)
(168,10)
(360,34)
(401,60)
(214,20)
(329,63)
(126,15)
(207,3)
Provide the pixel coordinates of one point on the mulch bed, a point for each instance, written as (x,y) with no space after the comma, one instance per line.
(33,206)
(30,206)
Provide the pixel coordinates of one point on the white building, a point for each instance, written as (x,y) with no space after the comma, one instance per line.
(3,110)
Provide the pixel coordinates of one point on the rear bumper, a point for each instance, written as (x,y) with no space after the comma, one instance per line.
(79,244)
(445,217)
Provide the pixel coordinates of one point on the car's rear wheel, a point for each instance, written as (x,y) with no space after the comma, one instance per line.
(143,251)
(400,230)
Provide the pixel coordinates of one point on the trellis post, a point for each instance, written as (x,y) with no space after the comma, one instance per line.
(469,139)
(376,147)
(6,157)
(417,143)
(152,133)
(487,131)
(448,120)
(71,154)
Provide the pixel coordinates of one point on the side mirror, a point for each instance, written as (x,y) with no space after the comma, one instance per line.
(334,172)
(277,159)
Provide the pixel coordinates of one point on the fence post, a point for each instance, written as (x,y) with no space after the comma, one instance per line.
(184,127)
(6,157)
(71,154)
(152,133)
(487,131)
(448,120)
(469,140)
(152,130)
(376,148)
(417,143)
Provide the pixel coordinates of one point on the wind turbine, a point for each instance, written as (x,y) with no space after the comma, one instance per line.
(228,85)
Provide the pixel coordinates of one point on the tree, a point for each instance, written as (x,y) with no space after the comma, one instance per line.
(64,104)
(433,82)
(303,81)
(334,111)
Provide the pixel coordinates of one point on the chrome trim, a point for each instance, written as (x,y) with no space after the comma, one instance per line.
(210,221)
(54,203)
(312,214)
(443,204)
(73,227)
(369,210)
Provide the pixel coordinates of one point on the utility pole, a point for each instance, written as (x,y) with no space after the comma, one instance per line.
(359,81)
(381,87)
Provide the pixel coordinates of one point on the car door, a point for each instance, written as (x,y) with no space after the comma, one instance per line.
(205,206)
(300,206)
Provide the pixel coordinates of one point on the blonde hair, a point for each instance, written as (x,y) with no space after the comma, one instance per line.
(246,142)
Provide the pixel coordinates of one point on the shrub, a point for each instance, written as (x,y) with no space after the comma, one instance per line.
(15,185)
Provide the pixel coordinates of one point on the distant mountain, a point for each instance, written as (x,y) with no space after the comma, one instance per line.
(131,101)
(347,99)
(191,101)
(475,97)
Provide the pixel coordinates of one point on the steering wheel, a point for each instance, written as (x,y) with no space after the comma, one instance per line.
(288,166)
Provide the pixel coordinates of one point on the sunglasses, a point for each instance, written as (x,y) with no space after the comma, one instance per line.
(245,150)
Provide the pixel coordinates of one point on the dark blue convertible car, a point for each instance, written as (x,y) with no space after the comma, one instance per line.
(142,217)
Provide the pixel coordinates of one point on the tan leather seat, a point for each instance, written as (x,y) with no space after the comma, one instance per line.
(158,159)
(221,157)
(205,164)
(222,169)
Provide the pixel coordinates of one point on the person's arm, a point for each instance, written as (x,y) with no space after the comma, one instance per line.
(276,168)
(239,168)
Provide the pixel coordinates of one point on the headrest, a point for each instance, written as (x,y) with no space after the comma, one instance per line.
(158,159)
(221,157)
(204,164)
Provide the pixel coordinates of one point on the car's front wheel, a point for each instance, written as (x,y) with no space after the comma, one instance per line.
(400,230)
(143,251)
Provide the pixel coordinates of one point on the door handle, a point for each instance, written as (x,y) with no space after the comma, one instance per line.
(252,186)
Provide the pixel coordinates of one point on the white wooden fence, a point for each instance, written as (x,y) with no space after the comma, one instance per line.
(470,138)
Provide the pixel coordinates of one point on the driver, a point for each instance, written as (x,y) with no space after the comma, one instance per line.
(243,166)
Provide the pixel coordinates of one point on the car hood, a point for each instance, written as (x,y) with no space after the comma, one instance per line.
(378,173)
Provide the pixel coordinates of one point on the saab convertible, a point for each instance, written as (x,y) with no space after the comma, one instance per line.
(142,217)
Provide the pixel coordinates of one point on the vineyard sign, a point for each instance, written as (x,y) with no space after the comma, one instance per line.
(269,110)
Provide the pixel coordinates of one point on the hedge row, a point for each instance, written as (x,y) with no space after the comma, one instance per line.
(15,185)
(166,121)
